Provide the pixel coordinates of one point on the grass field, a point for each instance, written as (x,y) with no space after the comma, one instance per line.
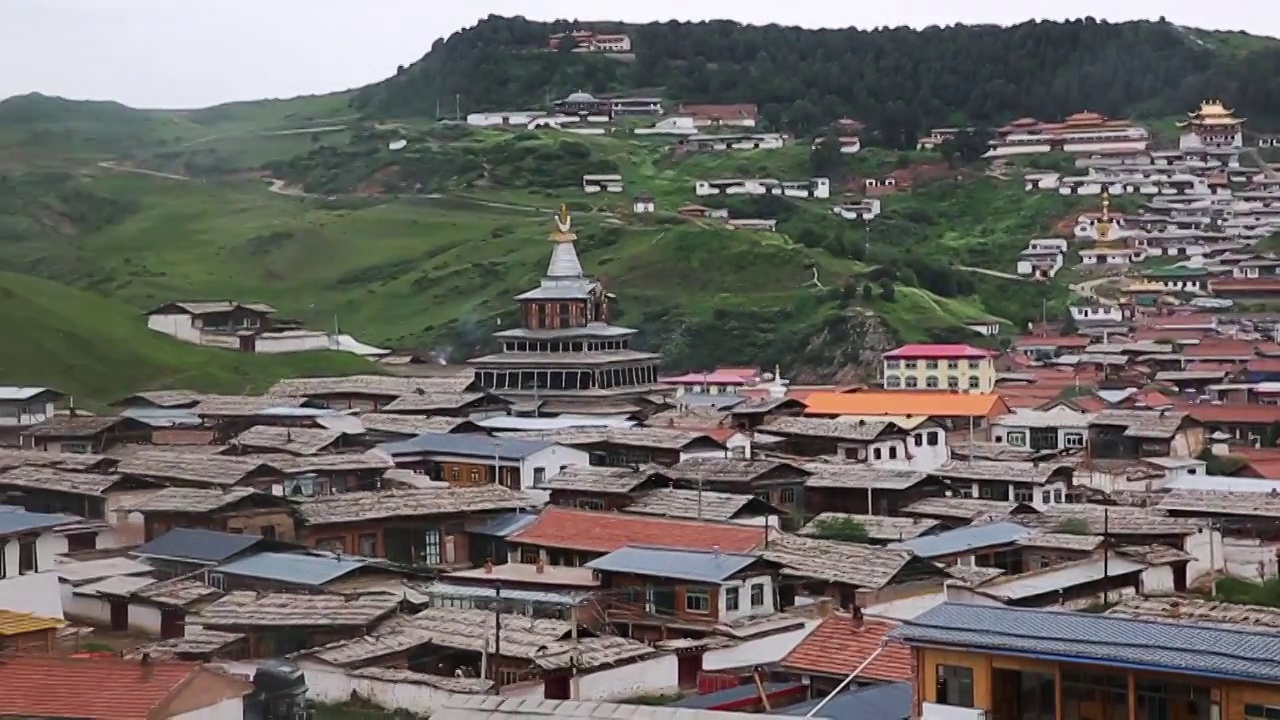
(439,273)
(99,349)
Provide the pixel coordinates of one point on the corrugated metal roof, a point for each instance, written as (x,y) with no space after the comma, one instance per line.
(198,545)
(1185,647)
(694,565)
(293,568)
(490,707)
(19,392)
(964,539)
(469,445)
(887,701)
(501,525)
(13,521)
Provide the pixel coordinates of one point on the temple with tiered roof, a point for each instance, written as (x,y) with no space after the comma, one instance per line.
(1212,127)
(566,357)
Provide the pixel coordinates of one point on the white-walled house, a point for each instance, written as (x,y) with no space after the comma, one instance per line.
(29,546)
(519,464)
(1112,256)
(515,118)
(866,209)
(602,183)
(1097,314)
(817,188)
(643,203)
(674,125)
(21,406)
(1057,429)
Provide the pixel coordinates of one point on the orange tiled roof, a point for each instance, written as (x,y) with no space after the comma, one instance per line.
(836,648)
(1263,365)
(95,687)
(608,531)
(1266,469)
(1212,348)
(905,402)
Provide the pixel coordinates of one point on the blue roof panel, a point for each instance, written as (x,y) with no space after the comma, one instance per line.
(14,521)
(964,539)
(1183,647)
(694,565)
(291,568)
(207,546)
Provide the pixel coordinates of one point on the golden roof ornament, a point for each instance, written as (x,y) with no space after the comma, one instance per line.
(564,226)
(1104,220)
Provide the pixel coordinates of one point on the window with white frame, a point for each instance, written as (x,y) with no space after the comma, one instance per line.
(911,381)
(757,595)
(975,382)
(697,601)
(1016,438)
(731,599)
(931,381)
(1073,440)
(892,381)
(930,364)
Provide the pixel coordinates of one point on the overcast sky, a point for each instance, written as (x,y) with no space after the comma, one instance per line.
(189,53)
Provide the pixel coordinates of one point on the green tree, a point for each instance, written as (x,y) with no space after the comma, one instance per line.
(845,529)
(1069,326)
(887,292)
(825,159)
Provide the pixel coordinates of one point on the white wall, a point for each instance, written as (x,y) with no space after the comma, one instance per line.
(551,459)
(177,324)
(88,609)
(744,599)
(1248,558)
(1200,545)
(292,342)
(144,619)
(24,413)
(329,684)
(35,593)
(229,709)
(1157,580)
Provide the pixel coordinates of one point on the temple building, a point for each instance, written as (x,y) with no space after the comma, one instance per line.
(566,357)
(1084,132)
(1212,127)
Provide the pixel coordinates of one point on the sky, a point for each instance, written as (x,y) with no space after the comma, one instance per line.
(189,53)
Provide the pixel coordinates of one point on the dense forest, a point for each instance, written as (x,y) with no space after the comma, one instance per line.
(900,81)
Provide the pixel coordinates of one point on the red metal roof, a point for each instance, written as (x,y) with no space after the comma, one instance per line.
(1221,348)
(1066,341)
(1269,365)
(941,350)
(837,647)
(1242,414)
(608,531)
(92,687)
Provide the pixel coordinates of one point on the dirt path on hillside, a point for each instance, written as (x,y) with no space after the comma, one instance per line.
(111,165)
(993,273)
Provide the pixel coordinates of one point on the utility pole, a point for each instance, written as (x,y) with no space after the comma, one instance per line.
(457,106)
(699,498)
(1106,553)
(497,638)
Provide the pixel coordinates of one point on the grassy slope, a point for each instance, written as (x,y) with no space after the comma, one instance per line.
(99,349)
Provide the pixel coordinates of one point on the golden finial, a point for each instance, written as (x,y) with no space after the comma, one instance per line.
(564,226)
(1104,221)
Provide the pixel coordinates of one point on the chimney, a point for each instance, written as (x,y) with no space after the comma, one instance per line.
(855,616)
(541,567)
(488,565)
(145,659)
(715,551)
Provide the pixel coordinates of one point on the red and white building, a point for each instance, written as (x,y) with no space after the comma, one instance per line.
(1084,133)
(939,366)
(721,381)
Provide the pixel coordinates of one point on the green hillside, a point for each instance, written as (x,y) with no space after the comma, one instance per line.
(100,349)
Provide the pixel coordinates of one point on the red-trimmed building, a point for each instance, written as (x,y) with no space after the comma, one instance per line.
(939,366)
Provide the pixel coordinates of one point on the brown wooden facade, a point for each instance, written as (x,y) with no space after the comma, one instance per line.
(863,501)
(427,541)
(274,521)
(467,474)
(1019,687)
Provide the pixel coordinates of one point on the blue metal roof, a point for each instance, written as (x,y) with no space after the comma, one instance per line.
(889,701)
(14,521)
(695,565)
(291,568)
(964,539)
(1183,647)
(502,525)
(711,701)
(206,546)
(482,446)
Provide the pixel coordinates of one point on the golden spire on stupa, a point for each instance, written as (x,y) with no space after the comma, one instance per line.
(1104,220)
(564,226)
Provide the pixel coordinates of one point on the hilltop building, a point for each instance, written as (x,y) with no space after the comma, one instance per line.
(1084,132)
(566,357)
(591,41)
(1212,127)
(939,366)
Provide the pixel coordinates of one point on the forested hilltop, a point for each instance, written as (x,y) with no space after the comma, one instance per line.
(899,81)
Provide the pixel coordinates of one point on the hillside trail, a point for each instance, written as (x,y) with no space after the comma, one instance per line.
(1088,290)
(993,273)
(112,165)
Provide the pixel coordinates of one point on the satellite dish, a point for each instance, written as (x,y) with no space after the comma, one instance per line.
(397,144)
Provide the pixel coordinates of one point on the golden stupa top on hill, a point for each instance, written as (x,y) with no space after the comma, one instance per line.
(564,226)
(1105,222)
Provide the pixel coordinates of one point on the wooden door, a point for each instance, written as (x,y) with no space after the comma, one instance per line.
(119,615)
